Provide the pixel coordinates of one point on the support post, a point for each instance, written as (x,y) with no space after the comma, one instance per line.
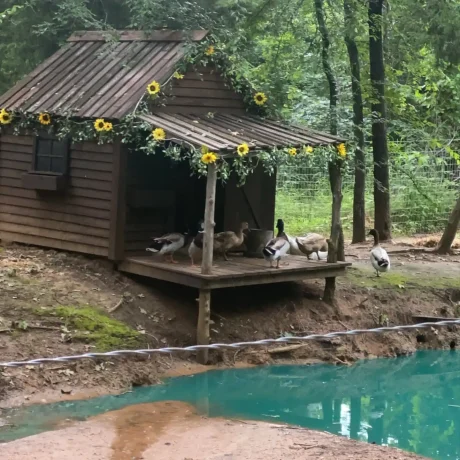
(208,243)
(204,314)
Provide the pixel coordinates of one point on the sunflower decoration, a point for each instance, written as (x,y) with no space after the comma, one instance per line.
(243,149)
(178,76)
(292,151)
(44,119)
(99,125)
(342,151)
(209,158)
(153,88)
(108,126)
(210,51)
(260,98)
(159,134)
(308,149)
(5,117)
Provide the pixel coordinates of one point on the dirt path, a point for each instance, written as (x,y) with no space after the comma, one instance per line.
(171,431)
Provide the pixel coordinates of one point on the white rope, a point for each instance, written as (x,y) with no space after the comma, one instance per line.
(230,346)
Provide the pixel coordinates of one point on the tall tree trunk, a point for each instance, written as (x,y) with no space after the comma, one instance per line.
(325,44)
(336,242)
(379,134)
(450,231)
(359,204)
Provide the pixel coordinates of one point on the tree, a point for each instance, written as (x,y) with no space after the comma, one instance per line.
(379,130)
(336,241)
(359,204)
(450,231)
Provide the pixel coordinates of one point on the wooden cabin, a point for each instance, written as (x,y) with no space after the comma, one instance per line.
(109,199)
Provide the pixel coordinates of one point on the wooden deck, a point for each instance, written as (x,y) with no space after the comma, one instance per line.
(239,271)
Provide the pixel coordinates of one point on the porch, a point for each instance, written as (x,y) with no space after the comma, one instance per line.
(239,271)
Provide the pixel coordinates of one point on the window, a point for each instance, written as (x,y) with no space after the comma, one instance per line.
(51,155)
(50,165)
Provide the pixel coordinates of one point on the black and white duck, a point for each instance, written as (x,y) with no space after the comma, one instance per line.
(167,245)
(379,257)
(277,247)
(195,249)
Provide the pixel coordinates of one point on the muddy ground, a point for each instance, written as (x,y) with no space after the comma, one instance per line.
(169,431)
(51,304)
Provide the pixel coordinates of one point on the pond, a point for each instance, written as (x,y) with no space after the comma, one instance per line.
(410,402)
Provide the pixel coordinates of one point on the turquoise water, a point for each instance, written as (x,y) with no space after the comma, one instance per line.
(412,402)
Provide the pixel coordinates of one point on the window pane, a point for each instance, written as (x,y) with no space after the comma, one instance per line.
(44,147)
(60,148)
(57,165)
(43,164)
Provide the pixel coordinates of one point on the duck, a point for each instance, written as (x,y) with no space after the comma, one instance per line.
(225,241)
(312,243)
(196,246)
(167,245)
(277,247)
(301,248)
(379,257)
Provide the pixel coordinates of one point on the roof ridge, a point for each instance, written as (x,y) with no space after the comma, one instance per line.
(163,35)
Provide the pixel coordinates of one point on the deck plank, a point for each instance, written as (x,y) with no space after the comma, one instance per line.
(239,271)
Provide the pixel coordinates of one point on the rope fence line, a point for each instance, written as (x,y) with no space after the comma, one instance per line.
(230,346)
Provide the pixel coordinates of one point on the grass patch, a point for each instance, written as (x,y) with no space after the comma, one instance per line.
(91,325)
(365,277)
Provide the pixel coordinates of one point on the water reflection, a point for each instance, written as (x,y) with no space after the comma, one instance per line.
(412,403)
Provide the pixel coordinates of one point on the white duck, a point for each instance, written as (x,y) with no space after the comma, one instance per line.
(277,247)
(167,245)
(379,257)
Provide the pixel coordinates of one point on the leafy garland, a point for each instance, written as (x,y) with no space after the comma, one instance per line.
(135,132)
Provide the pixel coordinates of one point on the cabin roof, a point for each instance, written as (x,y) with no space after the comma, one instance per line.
(99,74)
(223,132)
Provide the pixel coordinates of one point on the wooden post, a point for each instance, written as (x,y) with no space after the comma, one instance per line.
(118,204)
(204,315)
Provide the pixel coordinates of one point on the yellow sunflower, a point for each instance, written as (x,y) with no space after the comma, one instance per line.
(209,158)
(44,118)
(308,149)
(108,126)
(159,134)
(210,51)
(153,88)
(5,117)
(99,125)
(178,75)
(292,151)
(243,149)
(260,98)
(342,150)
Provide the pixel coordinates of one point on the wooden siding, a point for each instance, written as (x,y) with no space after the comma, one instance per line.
(201,91)
(76,219)
(253,203)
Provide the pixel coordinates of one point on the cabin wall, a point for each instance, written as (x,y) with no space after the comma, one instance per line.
(75,219)
(201,91)
(253,203)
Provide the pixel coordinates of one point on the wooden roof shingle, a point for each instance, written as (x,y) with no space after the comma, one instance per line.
(223,132)
(98,74)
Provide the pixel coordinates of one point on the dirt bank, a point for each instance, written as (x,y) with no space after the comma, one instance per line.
(172,431)
(55,303)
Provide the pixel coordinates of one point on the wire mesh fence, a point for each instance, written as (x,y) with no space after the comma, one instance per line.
(423,190)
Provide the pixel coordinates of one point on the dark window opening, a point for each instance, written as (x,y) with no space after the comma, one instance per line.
(51,155)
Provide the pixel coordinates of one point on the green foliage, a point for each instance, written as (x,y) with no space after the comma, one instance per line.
(92,325)
(274,46)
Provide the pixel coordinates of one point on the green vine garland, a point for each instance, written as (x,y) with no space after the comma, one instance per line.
(138,134)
